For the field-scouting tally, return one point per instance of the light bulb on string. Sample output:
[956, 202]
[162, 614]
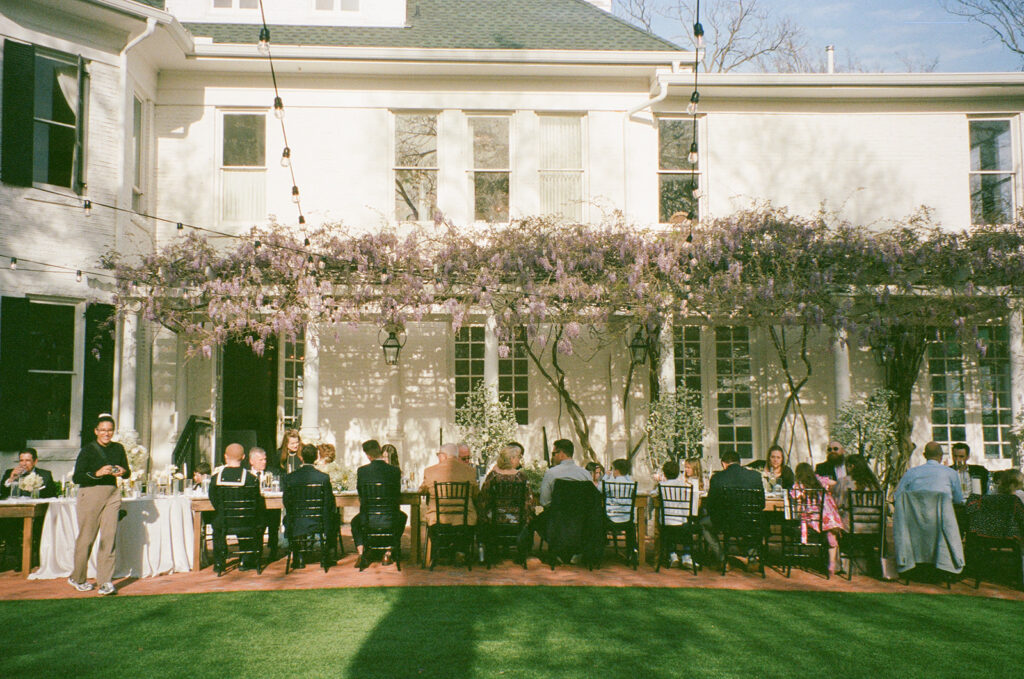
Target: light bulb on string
[302, 220]
[286, 157]
[305, 241]
[295, 194]
[87, 206]
[78, 276]
[180, 226]
[692, 156]
[698, 35]
[256, 245]
[691, 108]
[14, 263]
[278, 108]
[264, 44]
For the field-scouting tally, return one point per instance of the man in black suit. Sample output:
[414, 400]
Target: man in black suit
[961, 452]
[26, 467]
[834, 466]
[297, 525]
[377, 471]
[233, 475]
[733, 475]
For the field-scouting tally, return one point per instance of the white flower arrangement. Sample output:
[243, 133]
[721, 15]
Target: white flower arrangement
[486, 423]
[30, 482]
[138, 456]
[340, 476]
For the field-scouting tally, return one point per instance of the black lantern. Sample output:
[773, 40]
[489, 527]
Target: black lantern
[392, 346]
[638, 347]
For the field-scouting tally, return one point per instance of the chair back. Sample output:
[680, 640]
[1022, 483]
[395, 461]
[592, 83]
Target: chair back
[865, 508]
[506, 503]
[378, 507]
[619, 500]
[996, 516]
[743, 514]
[806, 505]
[576, 522]
[675, 506]
[308, 503]
[451, 502]
[239, 508]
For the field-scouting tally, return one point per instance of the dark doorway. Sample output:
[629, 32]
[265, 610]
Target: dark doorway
[249, 406]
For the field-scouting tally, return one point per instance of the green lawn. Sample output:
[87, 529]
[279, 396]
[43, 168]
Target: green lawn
[534, 632]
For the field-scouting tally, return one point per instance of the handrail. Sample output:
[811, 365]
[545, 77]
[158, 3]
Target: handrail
[186, 450]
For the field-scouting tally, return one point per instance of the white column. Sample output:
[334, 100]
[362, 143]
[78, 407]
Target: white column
[1016, 364]
[310, 429]
[617, 422]
[128, 359]
[667, 362]
[491, 353]
[841, 368]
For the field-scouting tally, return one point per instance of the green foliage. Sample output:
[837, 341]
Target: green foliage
[486, 423]
[867, 428]
[675, 427]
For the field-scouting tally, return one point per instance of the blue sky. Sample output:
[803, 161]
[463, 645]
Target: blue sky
[875, 33]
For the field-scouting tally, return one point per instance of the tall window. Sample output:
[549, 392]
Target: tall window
[994, 389]
[415, 166]
[44, 95]
[469, 362]
[993, 193]
[561, 166]
[243, 167]
[490, 175]
[138, 155]
[293, 353]
[947, 383]
[734, 411]
[514, 382]
[688, 366]
[678, 178]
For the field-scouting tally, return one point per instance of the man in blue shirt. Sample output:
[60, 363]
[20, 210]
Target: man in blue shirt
[932, 475]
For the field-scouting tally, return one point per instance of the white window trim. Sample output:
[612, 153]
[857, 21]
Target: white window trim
[701, 172]
[221, 112]
[393, 167]
[584, 158]
[77, 378]
[471, 170]
[1017, 152]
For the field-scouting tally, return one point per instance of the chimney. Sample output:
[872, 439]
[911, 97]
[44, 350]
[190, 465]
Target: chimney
[830, 58]
[606, 5]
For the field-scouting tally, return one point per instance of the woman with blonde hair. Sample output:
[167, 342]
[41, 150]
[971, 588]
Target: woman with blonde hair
[291, 444]
[325, 455]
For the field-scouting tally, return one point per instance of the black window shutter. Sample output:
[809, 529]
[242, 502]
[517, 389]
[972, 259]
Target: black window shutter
[98, 381]
[78, 165]
[13, 372]
[16, 129]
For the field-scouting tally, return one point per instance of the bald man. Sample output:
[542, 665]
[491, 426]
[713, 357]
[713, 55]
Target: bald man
[233, 475]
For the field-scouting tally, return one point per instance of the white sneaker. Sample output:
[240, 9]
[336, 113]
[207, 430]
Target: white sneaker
[686, 561]
[673, 559]
[80, 586]
[576, 558]
[106, 588]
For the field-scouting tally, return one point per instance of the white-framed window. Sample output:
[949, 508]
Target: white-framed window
[415, 166]
[290, 377]
[734, 409]
[679, 180]
[53, 354]
[513, 371]
[139, 153]
[561, 166]
[993, 173]
[243, 171]
[44, 108]
[236, 4]
[689, 367]
[514, 381]
[342, 5]
[490, 167]
[469, 362]
[969, 390]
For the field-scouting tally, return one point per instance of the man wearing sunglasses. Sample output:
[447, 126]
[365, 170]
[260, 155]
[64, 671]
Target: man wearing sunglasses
[834, 466]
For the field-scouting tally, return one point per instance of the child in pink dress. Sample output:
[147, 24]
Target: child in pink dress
[831, 522]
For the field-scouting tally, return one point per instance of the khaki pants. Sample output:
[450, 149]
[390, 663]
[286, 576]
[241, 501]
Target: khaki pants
[97, 512]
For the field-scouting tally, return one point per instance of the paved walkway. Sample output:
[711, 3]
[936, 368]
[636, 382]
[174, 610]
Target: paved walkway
[613, 573]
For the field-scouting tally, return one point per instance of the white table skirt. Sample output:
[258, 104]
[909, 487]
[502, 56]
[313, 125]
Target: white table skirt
[153, 539]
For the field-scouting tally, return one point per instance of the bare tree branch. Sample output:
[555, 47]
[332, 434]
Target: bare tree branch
[1005, 18]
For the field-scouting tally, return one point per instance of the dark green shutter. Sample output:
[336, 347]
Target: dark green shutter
[78, 164]
[18, 101]
[98, 381]
[13, 372]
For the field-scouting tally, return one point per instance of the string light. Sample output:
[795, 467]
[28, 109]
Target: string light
[14, 263]
[78, 276]
[295, 194]
[302, 221]
[180, 226]
[87, 206]
[278, 108]
[263, 46]
[691, 109]
[692, 157]
[306, 241]
[286, 157]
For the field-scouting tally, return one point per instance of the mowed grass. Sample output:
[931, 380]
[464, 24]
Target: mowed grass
[534, 632]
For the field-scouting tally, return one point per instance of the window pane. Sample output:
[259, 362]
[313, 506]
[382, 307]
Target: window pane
[245, 140]
[248, 4]
[990, 145]
[222, 4]
[53, 154]
[51, 337]
[415, 194]
[490, 143]
[675, 194]
[561, 193]
[137, 142]
[48, 406]
[350, 5]
[324, 4]
[490, 191]
[561, 143]
[415, 140]
[991, 198]
[674, 139]
[56, 94]
[244, 196]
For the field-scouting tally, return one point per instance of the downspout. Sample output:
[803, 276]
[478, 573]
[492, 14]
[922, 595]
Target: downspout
[119, 346]
[630, 112]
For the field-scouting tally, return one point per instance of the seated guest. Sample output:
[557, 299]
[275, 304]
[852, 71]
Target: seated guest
[776, 471]
[834, 466]
[232, 474]
[830, 523]
[960, 453]
[693, 472]
[932, 475]
[325, 455]
[618, 509]
[675, 519]
[733, 475]
[291, 444]
[390, 454]
[452, 469]
[564, 468]
[596, 472]
[506, 470]
[200, 474]
[1011, 482]
[297, 525]
[377, 471]
[26, 467]
[858, 477]
[259, 466]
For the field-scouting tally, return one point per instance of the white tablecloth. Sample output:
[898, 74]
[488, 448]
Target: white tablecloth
[153, 539]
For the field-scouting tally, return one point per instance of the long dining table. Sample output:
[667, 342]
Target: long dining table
[346, 498]
[28, 511]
